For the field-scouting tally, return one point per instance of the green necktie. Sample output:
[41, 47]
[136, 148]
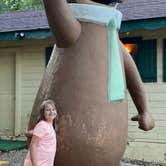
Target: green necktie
[115, 77]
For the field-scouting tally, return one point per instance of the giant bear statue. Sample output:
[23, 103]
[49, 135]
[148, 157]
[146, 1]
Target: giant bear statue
[88, 75]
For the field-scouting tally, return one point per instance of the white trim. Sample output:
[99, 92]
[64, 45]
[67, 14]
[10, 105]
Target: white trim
[17, 130]
[95, 14]
[159, 60]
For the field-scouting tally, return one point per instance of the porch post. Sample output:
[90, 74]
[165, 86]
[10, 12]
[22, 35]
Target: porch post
[159, 60]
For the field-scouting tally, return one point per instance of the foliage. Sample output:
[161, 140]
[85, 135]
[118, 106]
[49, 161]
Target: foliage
[14, 5]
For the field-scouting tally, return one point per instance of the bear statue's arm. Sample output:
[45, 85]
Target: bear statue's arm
[133, 81]
[136, 90]
[64, 26]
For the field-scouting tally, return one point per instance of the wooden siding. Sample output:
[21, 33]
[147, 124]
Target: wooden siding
[33, 66]
[146, 151]
[150, 146]
[145, 143]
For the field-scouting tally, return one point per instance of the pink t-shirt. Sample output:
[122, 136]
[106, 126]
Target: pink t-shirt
[46, 148]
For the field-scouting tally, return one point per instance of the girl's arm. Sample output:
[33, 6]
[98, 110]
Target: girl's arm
[29, 133]
[66, 29]
[33, 149]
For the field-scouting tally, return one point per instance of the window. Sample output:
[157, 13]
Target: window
[144, 54]
[132, 49]
[48, 52]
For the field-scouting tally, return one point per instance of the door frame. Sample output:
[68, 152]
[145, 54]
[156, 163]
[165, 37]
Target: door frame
[17, 88]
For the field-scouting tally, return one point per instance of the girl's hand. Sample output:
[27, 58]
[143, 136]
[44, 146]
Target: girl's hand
[29, 133]
[145, 121]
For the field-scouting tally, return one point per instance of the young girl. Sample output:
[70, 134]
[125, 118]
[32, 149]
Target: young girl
[43, 144]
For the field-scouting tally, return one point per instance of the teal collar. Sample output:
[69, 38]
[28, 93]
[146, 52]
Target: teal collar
[96, 14]
[112, 19]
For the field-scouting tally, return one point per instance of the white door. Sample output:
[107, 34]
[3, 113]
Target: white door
[7, 94]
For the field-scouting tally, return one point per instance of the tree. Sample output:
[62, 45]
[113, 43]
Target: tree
[15, 5]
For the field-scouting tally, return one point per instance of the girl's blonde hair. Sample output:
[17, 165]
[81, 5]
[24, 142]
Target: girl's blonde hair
[42, 108]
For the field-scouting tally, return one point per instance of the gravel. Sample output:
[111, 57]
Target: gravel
[143, 163]
[16, 158]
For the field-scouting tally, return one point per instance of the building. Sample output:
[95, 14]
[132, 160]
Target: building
[25, 47]
[144, 32]
[24, 38]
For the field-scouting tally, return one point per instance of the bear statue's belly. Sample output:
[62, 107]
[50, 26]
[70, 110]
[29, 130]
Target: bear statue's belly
[92, 131]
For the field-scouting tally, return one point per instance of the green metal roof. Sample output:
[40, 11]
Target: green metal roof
[30, 34]
[149, 24]
[127, 26]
